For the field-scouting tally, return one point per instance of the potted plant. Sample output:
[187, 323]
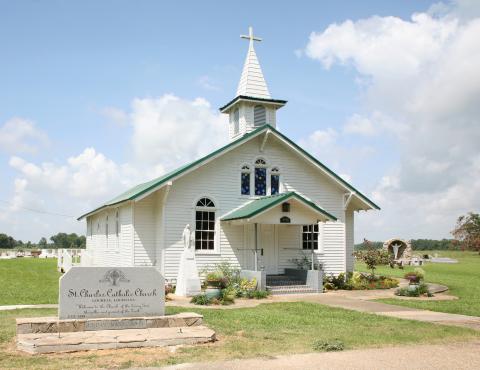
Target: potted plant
[412, 277]
[215, 281]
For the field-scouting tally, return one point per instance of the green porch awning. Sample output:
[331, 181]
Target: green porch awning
[263, 204]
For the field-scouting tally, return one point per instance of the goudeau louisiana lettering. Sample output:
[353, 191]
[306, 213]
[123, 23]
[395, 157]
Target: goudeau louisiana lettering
[85, 293]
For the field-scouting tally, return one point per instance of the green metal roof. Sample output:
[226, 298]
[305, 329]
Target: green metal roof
[141, 189]
[259, 205]
[253, 99]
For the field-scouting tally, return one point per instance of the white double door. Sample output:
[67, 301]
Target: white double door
[268, 241]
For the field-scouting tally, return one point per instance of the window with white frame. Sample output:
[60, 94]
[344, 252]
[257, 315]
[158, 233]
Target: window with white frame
[245, 180]
[236, 121]
[260, 177]
[205, 224]
[274, 181]
[310, 236]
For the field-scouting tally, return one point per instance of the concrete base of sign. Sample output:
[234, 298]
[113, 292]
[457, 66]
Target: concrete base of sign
[112, 339]
[49, 334]
[32, 325]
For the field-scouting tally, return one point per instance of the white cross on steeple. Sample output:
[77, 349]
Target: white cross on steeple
[252, 82]
[250, 36]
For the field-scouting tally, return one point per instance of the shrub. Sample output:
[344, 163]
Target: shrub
[201, 299]
[328, 346]
[258, 294]
[227, 295]
[414, 291]
[373, 258]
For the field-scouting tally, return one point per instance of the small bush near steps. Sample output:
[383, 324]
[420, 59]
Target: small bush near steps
[328, 345]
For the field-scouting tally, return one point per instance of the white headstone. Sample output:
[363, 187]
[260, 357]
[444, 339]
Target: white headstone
[188, 280]
[102, 292]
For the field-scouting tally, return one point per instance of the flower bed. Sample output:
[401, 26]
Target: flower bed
[359, 281]
[226, 280]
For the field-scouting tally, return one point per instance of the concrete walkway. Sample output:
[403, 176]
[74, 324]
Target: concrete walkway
[358, 304]
[22, 306]
[418, 357]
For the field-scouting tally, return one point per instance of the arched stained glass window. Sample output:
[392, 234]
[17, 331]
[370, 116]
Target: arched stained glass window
[260, 177]
[274, 181]
[205, 224]
[245, 180]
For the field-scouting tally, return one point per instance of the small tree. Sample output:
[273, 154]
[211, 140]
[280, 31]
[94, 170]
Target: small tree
[373, 257]
[467, 231]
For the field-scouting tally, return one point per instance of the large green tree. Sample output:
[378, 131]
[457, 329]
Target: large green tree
[63, 240]
[467, 231]
[7, 242]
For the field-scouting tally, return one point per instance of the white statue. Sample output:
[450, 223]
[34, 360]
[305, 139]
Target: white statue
[188, 280]
[187, 237]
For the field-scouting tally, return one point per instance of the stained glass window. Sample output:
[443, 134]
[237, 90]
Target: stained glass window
[310, 236]
[275, 181]
[260, 181]
[245, 183]
[205, 225]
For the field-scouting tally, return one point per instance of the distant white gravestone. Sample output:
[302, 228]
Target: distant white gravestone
[102, 292]
[188, 281]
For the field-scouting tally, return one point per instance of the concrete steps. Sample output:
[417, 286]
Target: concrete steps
[49, 334]
[290, 289]
[111, 339]
[284, 284]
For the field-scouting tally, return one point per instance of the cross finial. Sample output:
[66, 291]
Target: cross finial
[250, 36]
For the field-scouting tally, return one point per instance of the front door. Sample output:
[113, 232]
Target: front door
[268, 243]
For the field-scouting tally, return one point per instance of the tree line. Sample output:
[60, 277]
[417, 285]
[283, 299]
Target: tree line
[466, 236]
[417, 244]
[60, 240]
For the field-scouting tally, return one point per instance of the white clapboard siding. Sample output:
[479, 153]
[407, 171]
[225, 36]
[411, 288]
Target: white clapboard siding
[112, 250]
[219, 180]
[145, 234]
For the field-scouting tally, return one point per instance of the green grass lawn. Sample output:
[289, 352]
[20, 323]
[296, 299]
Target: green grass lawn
[266, 330]
[462, 279]
[28, 281]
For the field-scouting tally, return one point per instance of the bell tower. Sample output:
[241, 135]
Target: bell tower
[253, 106]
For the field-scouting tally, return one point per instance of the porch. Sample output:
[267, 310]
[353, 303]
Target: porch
[281, 242]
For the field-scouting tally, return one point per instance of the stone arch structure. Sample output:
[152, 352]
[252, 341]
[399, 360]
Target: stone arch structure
[403, 248]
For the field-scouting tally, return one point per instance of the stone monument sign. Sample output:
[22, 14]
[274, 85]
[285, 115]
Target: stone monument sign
[109, 292]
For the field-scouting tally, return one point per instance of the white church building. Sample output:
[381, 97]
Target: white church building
[260, 202]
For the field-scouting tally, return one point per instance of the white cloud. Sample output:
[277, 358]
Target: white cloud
[167, 132]
[19, 135]
[170, 131]
[422, 74]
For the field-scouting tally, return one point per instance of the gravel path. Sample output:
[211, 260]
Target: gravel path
[421, 357]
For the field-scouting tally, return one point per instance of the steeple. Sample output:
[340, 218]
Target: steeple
[253, 106]
[252, 83]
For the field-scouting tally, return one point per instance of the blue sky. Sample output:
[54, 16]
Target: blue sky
[65, 64]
